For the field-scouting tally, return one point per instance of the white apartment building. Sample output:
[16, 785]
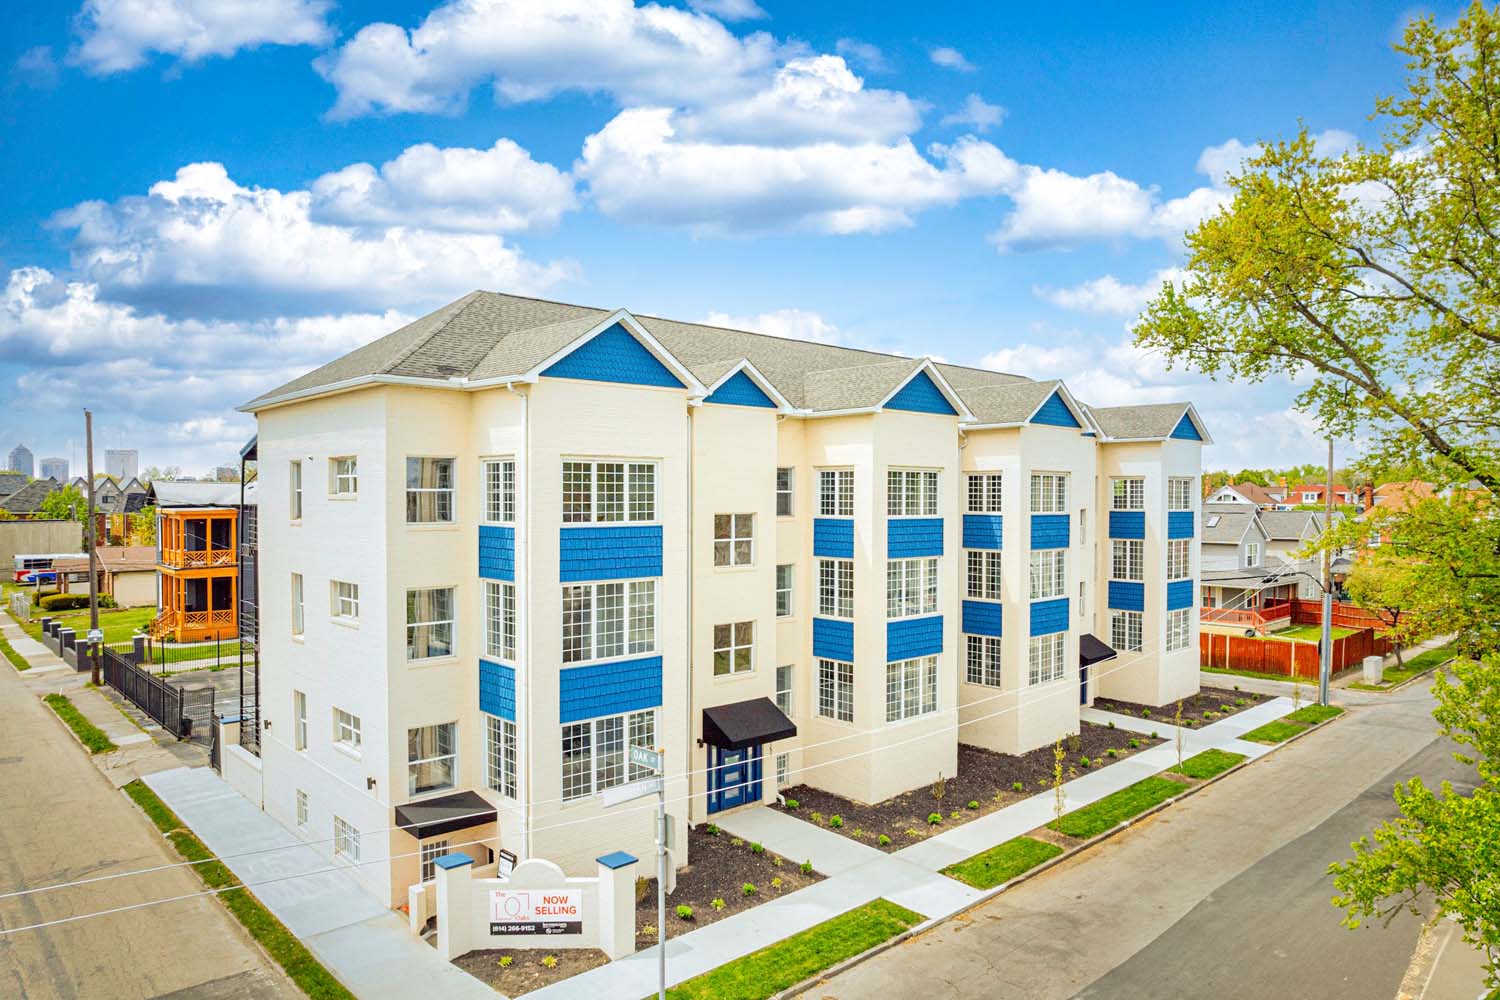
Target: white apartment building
[504, 543]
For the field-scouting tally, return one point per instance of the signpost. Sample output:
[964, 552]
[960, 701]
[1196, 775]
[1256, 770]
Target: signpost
[650, 759]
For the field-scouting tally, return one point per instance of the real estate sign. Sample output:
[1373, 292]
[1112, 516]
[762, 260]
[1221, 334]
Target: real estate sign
[536, 911]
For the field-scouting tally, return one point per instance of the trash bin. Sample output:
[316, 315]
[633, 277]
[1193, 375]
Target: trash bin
[1374, 669]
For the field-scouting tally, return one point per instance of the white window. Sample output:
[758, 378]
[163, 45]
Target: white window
[836, 690]
[500, 620]
[1127, 494]
[1179, 558]
[836, 588]
[784, 590]
[346, 729]
[911, 493]
[1083, 525]
[783, 770]
[836, 492]
[911, 688]
[299, 609]
[301, 809]
[1252, 554]
[984, 493]
[1179, 494]
[593, 752]
[500, 490]
[343, 476]
[784, 699]
[345, 600]
[983, 665]
[608, 492]
[1179, 629]
[431, 758]
[1127, 559]
[500, 755]
[911, 587]
[1049, 574]
[299, 720]
[983, 575]
[345, 839]
[1309, 498]
[431, 851]
[429, 623]
[1049, 493]
[784, 489]
[429, 490]
[734, 648]
[296, 494]
[1046, 656]
[601, 620]
[734, 539]
[1125, 631]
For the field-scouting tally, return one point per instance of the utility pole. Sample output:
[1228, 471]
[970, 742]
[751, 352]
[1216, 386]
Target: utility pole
[88, 539]
[1325, 647]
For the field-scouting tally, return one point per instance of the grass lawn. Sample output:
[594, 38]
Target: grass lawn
[787, 963]
[1116, 808]
[1209, 763]
[1309, 633]
[305, 970]
[1002, 863]
[1285, 728]
[118, 625]
[1258, 675]
[1312, 715]
[16, 659]
[1419, 664]
[90, 735]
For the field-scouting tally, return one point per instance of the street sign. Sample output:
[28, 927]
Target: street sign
[621, 794]
[645, 757]
[671, 827]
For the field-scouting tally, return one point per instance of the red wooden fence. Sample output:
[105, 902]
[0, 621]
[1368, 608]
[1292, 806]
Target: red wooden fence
[1344, 615]
[1275, 656]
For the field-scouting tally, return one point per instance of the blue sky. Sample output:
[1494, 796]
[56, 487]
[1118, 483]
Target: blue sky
[200, 199]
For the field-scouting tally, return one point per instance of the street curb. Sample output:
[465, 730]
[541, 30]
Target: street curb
[1409, 681]
[989, 894]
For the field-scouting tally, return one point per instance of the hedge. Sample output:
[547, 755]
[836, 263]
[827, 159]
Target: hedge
[64, 602]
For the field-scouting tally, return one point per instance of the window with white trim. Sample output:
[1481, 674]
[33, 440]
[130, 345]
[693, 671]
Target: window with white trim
[431, 758]
[1179, 558]
[296, 490]
[1179, 493]
[836, 690]
[1127, 559]
[302, 809]
[1252, 554]
[608, 492]
[911, 587]
[1179, 629]
[1046, 658]
[983, 490]
[983, 663]
[431, 851]
[784, 575]
[429, 491]
[1049, 574]
[299, 606]
[836, 588]
[1127, 494]
[500, 620]
[500, 755]
[734, 648]
[1049, 493]
[911, 688]
[593, 752]
[499, 490]
[784, 690]
[785, 478]
[783, 770]
[429, 623]
[346, 729]
[911, 493]
[345, 602]
[343, 476]
[299, 720]
[1125, 631]
[983, 574]
[835, 492]
[734, 539]
[601, 620]
[345, 839]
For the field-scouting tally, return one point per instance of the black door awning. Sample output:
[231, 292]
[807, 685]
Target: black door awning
[1092, 651]
[444, 814]
[746, 723]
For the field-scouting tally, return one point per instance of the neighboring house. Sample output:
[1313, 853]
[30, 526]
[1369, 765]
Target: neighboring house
[1401, 495]
[10, 482]
[503, 543]
[27, 501]
[1252, 494]
[126, 573]
[1239, 583]
[1314, 493]
[1288, 533]
[197, 560]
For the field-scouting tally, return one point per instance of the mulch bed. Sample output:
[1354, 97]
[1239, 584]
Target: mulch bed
[719, 865]
[985, 778]
[1207, 700]
[526, 971]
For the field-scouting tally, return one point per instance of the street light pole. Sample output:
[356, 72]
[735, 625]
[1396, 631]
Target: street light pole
[88, 538]
[1325, 647]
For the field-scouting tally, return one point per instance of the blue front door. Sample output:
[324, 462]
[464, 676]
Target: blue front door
[735, 778]
[1083, 685]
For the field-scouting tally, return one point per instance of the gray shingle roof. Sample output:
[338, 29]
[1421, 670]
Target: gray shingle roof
[1230, 527]
[1152, 420]
[1288, 525]
[28, 499]
[10, 482]
[1008, 403]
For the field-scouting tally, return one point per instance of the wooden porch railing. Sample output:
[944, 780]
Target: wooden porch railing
[197, 558]
[1256, 618]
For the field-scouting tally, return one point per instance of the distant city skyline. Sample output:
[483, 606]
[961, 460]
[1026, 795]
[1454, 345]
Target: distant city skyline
[122, 463]
[53, 468]
[22, 460]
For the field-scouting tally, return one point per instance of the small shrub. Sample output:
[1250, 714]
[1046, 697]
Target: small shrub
[1134, 744]
[776, 882]
[649, 930]
[1112, 752]
[806, 867]
[913, 834]
[105, 601]
[717, 904]
[1075, 742]
[1085, 763]
[506, 961]
[1191, 722]
[776, 860]
[836, 821]
[642, 890]
[884, 840]
[954, 814]
[749, 889]
[64, 602]
[792, 803]
[737, 842]
[551, 960]
[816, 817]
[1145, 713]
[1018, 786]
[933, 819]
[757, 849]
[1153, 735]
[684, 912]
[1111, 723]
[1210, 715]
[711, 829]
[973, 803]
[1239, 702]
[940, 788]
[858, 833]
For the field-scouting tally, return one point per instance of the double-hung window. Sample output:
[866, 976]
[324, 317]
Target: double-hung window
[983, 574]
[608, 492]
[1252, 554]
[1049, 493]
[500, 490]
[836, 690]
[983, 664]
[345, 839]
[429, 491]
[1179, 494]
[1125, 631]
[346, 729]
[302, 809]
[836, 588]
[1127, 559]
[784, 491]
[1046, 658]
[299, 607]
[784, 700]
[429, 623]
[836, 492]
[1179, 629]
[602, 620]
[343, 476]
[593, 752]
[500, 755]
[431, 758]
[345, 600]
[1127, 494]
[911, 688]
[1179, 556]
[911, 587]
[984, 493]
[500, 620]
[295, 498]
[734, 648]
[784, 574]
[734, 539]
[299, 720]
[911, 493]
[1049, 574]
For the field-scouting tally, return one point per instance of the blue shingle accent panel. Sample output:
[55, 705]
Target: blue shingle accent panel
[910, 537]
[497, 552]
[1049, 616]
[1056, 413]
[497, 689]
[909, 637]
[740, 390]
[1127, 595]
[982, 531]
[609, 688]
[833, 639]
[1049, 531]
[614, 356]
[833, 537]
[1127, 524]
[982, 617]
[1180, 594]
[1185, 431]
[921, 395]
[1179, 524]
[609, 552]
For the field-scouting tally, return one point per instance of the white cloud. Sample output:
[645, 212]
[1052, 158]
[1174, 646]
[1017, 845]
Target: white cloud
[793, 324]
[117, 35]
[864, 53]
[1109, 296]
[977, 113]
[729, 10]
[950, 58]
[500, 189]
[1054, 209]
[37, 68]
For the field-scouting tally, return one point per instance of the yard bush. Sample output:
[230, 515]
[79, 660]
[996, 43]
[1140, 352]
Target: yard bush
[64, 602]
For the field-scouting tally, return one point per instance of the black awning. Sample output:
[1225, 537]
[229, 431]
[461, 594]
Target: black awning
[1092, 651]
[444, 814]
[745, 723]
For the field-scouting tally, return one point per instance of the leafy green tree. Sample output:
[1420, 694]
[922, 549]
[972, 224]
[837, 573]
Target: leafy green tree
[1382, 582]
[66, 504]
[141, 527]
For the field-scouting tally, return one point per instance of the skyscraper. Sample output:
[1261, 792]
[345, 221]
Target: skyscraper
[122, 463]
[54, 468]
[22, 460]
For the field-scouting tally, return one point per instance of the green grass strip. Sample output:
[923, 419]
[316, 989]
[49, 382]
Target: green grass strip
[281, 944]
[90, 735]
[1314, 714]
[786, 963]
[1274, 732]
[1208, 764]
[1116, 808]
[1003, 862]
[16, 659]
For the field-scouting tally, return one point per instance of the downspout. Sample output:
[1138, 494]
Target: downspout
[688, 673]
[523, 609]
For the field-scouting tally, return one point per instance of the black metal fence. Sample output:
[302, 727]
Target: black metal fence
[207, 654]
[186, 713]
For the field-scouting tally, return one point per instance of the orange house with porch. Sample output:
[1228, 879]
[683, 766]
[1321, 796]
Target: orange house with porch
[197, 572]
